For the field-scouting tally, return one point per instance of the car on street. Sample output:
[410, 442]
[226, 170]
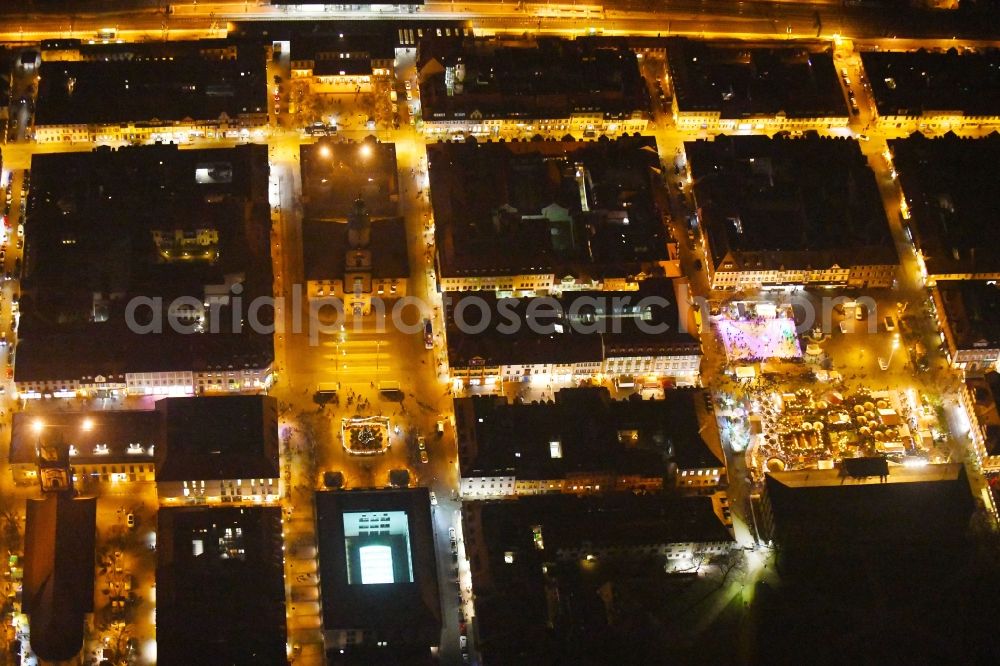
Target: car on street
[434, 499]
[452, 534]
[423, 457]
[883, 363]
[421, 443]
[864, 137]
[428, 334]
[130, 520]
[890, 323]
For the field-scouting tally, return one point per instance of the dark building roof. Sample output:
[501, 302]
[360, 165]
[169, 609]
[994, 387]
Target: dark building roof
[60, 43]
[951, 189]
[910, 83]
[576, 209]
[742, 80]
[223, 437]
[789, 204]
[824, 510]
[578, 326]
[77, 283]
[360, 44]
[986, 393]
[147, 81]
[593, 433]
[405, 614]
[129, 435]
[220, 594]
[58, 590]
[335, 175]
[971, 316]
[372, 34]
[469, 78]
[325, 247]
[526, 612]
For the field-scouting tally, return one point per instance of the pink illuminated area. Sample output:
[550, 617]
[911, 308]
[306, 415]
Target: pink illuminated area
[759, 338]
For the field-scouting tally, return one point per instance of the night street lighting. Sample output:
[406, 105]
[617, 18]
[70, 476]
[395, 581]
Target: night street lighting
[38, 425]
[365, 150]
[895, 346]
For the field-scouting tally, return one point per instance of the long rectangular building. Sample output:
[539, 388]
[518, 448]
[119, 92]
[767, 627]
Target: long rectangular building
[220, 592]
[969, 316]
[381, 601]
[638, 337]
[738, 86]
[147, 91]
[543, 217]
[950, 203]
[140, 267]
[345, 61]
[584, 443]
[494, 86]
[790, 212]
[541, 567]
[205, 450]
[814, 513]
[934, 91]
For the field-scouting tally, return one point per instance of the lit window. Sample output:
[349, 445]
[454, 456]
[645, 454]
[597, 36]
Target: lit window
[555, 449]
